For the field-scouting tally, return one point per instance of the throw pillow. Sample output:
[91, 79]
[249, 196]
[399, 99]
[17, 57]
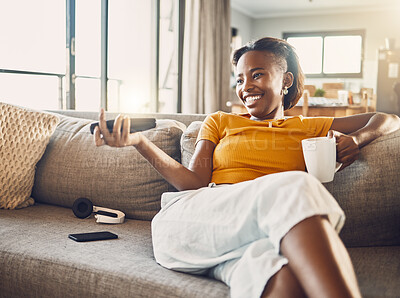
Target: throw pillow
[24, 135]
[188, 142]
[117, 178]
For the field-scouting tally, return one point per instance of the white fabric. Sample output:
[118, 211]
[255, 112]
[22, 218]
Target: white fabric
[233, 232]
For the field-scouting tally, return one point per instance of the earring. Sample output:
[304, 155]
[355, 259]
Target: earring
[285, 90]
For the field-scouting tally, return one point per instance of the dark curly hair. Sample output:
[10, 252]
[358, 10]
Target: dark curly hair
[286, 57]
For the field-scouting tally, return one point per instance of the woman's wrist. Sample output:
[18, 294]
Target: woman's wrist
[140, 141]
[361, 138]
[357, 140]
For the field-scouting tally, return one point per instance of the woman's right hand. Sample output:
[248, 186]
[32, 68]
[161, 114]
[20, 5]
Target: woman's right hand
[198, 174]
[102, 136]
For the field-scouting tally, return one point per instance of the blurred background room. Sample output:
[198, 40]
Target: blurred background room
[173, 56]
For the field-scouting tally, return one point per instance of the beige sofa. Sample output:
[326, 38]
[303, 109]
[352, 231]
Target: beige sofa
[38, 260]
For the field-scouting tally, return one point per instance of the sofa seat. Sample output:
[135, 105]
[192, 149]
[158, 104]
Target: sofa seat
[37, 259]
[377, 269]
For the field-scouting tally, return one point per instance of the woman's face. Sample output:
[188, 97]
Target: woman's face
[259, 83]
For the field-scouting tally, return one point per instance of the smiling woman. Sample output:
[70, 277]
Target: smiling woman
[255, 82]
[246, 213]
[285, 68]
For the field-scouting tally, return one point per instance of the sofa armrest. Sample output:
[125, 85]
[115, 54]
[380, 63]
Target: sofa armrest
[369, 193]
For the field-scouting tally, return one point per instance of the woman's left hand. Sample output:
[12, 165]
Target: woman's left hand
[347, 150]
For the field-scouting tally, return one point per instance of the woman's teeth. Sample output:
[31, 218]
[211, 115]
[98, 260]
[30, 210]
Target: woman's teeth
[251, 99]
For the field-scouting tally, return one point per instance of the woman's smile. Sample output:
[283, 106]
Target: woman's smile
[259, 84]
[250, 100]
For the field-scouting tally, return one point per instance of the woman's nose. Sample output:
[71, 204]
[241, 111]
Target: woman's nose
[247, 85]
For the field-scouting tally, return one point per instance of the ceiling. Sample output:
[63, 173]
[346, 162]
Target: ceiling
[277, 8]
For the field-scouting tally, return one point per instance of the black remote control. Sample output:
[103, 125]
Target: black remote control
[137, 124]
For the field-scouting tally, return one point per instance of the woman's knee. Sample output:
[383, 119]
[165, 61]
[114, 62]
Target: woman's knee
[283, 284]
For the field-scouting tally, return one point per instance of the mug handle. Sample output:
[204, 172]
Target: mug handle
[338, 164]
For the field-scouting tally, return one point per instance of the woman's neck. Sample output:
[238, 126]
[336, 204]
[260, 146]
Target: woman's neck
[272, 116]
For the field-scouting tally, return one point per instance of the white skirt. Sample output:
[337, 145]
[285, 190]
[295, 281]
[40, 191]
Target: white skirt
[232, 232]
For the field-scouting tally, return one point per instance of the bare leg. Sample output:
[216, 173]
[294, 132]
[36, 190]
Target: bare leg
[283, 284]
[319, 260]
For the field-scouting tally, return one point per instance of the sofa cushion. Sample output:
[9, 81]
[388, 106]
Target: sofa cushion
[377, 270]
[117, 178]
[369, 192]
[24, 135]
[188, 141]
[37, 259]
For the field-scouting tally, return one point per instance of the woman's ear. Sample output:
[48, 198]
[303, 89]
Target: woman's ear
[288, 79]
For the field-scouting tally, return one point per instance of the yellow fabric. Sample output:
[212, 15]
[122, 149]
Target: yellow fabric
[247, 149]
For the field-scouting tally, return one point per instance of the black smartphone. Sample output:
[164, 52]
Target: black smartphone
[137, 124]
[84, 237]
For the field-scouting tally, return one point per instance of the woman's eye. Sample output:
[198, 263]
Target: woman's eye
[256, 75]
[239, 81]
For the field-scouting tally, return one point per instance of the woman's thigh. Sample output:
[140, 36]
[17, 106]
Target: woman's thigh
[202, 228]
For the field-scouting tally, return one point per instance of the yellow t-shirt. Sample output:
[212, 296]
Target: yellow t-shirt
[247, 149]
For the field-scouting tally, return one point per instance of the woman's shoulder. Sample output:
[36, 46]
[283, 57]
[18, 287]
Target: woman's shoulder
[230, 114]
[317, 125]
[221, 115]
[306, 123]
[319, 119]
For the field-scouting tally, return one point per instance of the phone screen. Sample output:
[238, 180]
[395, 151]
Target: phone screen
[84, 237]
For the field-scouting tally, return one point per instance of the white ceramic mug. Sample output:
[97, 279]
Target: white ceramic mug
[320, 157]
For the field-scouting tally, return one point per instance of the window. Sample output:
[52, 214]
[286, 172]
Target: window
[130, 55]
[329, 54]
[32, 52]
[85, 54]
[168, 56]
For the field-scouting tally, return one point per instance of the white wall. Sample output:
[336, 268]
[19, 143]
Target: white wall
[243, 23]
[378, 26]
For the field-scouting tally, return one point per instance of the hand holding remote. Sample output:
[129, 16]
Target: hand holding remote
[137, 124]
[119, 136]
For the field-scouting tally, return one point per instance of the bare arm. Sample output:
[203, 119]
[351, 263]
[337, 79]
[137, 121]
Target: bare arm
[354, 132]
[198, 174]
[200, 169]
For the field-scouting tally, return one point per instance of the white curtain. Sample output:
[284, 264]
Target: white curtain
[206, 56]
